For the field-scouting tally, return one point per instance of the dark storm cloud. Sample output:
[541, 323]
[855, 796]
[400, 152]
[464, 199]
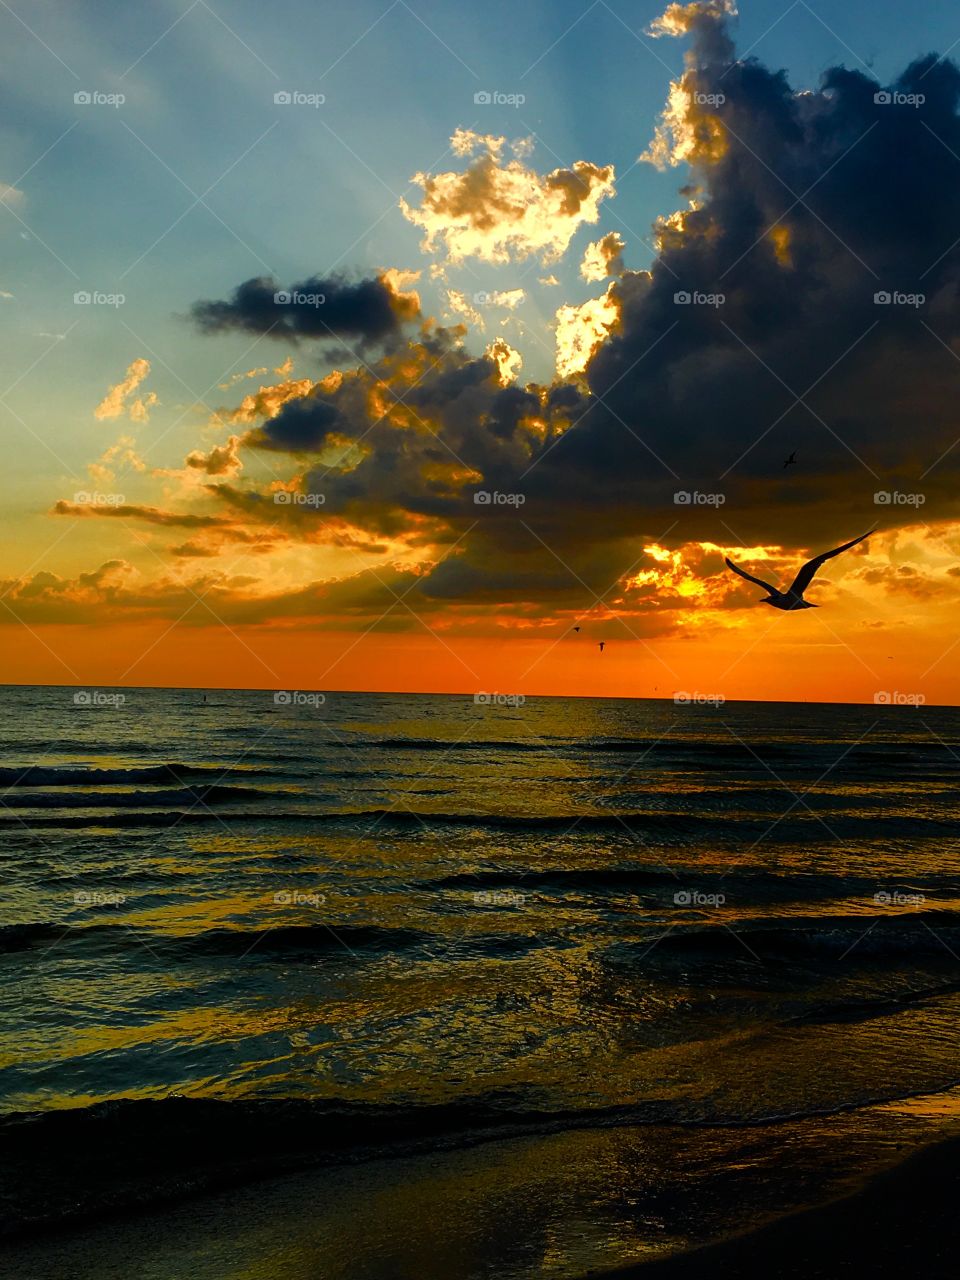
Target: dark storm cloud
[807, 206]
[366, 311]
[810, 205]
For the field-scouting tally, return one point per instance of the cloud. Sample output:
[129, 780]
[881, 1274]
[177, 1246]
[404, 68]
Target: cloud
[509, 361]
[129, 511]
[366, 311]
[678, 19]
[241, 377]
[603, 258]
[267, 401]
[221, 460]
[121, 397]
[116, 592]
[122, 453]
[501, 211]
[680, 390]
[459, 304]
[580, 331]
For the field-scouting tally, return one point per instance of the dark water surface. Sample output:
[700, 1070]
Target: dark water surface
[555, 987]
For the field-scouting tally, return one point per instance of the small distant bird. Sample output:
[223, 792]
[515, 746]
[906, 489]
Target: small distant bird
[792, 598]
[602, 643]
[791, 461]
[577, 629]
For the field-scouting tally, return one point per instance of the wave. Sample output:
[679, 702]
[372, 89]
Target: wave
[124, 1154]
[213, 793]
[265, 939]
[931, 931]
[81, 775]
[928, 932]
[723, 748]
[715, 826]
[745, 886]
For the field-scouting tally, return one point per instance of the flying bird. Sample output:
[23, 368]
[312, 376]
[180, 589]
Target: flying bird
[792, 598]
[791, 461]
[602, 643]
[577, 629]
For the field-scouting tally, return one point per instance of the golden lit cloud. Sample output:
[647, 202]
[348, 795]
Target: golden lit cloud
[678, 19]
[267, 401]
[119, 397]
[581, 330]
[501, 210]
[120, 454]
[222, 460]
[689, 128]
[509, 361]
[603, 258]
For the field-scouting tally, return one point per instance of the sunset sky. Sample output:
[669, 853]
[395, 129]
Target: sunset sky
[208, 485]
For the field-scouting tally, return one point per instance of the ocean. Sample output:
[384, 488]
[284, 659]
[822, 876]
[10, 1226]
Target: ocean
[384, 985]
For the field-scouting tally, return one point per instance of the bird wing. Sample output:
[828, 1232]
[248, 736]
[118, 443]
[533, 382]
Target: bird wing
[805, 576]
[750, 578]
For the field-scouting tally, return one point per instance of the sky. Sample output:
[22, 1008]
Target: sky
[287, 293]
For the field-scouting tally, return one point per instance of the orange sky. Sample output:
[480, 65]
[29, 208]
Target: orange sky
[769, 656]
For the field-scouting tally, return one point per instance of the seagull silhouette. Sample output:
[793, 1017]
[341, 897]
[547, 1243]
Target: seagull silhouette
[602, 643]
[577, 629]
[791, 461]
[792, 598]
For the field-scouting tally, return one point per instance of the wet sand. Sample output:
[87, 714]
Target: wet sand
[518, 1210]
[903, 1223]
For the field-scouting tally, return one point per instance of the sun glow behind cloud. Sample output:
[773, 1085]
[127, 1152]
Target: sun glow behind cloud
[317, 500]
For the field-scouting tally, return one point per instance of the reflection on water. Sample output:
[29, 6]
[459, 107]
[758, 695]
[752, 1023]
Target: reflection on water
[596, 930]
[557, 1205]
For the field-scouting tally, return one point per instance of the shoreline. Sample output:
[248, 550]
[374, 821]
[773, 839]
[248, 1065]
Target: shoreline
[894, 1221]
[901, 1222]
